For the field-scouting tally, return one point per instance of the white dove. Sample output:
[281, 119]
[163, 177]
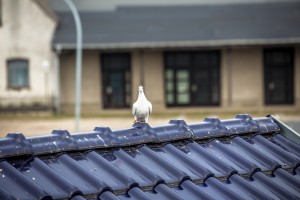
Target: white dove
[142, 108]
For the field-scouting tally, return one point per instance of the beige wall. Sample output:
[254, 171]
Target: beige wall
[135, 74]
[243, 65]
[91, 81]
[26, 33]
[247, 77]
[247, 80]
[154, 78]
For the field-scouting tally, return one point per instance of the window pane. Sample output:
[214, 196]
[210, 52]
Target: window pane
[178, 60]
[169, 74]
[116, 77]
[279, 75]
[182, 87]
[195, 75]
[18, 73]
[170, 98]
[278, 57]
[170, 86]
[183, 98]
[115, 61]
[182, 75]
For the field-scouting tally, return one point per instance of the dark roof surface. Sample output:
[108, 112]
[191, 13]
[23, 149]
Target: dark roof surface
[242, 158]
[175, 26]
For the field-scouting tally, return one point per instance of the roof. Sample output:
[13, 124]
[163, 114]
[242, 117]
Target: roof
[47, 9]
[241, 158]
[183, 26]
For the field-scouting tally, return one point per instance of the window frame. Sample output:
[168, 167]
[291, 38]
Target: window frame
[289, 68]
[192, 67]
[106, 70]
[8, 82]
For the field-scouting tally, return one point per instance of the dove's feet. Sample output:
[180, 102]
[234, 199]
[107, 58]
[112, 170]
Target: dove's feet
[142, 121]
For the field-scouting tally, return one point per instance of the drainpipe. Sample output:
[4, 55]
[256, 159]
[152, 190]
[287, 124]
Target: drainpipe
[57, 70]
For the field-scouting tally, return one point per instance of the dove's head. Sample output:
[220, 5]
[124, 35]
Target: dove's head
[140, 88]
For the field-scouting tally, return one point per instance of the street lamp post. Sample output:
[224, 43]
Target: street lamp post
[78, 62]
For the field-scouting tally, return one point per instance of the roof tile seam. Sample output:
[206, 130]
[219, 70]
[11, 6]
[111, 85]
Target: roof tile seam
[176, 184]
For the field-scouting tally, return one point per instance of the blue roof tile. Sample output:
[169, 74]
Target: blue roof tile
[18, 185]
[189, 190]
[50, 181]
[161, 191]
[242, 158]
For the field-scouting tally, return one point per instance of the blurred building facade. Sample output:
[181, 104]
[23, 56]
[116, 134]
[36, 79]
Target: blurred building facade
[218, 57]
[26, 67]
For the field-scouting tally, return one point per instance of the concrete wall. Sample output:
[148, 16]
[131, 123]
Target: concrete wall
[154, 79]
[92, 79]
[241, 80]
[247, 77]
[91, 97]
[26, 33]
[244, 88]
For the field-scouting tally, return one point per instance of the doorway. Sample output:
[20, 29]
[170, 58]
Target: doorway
[279, 76]
[116, 80]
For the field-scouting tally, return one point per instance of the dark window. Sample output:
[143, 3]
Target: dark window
[192, 78]
[279, 75]
[116, 80]
[18, 73]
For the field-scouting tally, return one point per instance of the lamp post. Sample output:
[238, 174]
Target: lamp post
[78, 62]
[45, 66]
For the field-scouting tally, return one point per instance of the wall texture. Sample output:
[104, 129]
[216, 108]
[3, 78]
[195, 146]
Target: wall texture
[26, 33]
[247, 77]
[241, 81]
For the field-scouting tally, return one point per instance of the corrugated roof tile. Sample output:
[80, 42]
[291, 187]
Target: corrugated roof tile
[273, 186]
[135, 170]
[247, 150]
[214, 164]
[286, 157]
[78, 175]
[192, 191]
[243, 158]
[18, 185]
[221, 189]
[50, 181]
[159, 165]
[286, 144]
[244, 188]
[161, 191]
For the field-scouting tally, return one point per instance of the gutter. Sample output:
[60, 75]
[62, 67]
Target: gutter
[286, 131]
[176, 44]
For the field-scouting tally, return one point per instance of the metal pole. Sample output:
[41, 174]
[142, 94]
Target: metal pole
[229, 76]
[78, 62]
[57, 68]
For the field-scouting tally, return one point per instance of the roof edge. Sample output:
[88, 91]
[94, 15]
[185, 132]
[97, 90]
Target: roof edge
[286, 130]
[174, 44]
[47, 9]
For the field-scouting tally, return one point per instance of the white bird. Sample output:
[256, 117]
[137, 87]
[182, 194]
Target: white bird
[142, 108]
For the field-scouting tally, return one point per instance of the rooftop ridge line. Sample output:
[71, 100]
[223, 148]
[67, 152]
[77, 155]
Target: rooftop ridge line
[15, 144]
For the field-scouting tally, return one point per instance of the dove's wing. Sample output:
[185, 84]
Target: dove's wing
[134, 108]
[150, 107]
